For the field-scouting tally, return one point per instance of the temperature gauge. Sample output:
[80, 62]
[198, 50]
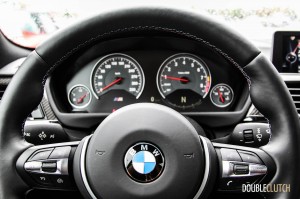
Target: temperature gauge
[221, 95]
[79, 96]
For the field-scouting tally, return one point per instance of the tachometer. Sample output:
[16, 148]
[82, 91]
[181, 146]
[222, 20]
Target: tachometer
[183, 80]
[117, 72]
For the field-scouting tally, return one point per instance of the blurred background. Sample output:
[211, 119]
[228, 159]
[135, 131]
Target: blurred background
[29, 22]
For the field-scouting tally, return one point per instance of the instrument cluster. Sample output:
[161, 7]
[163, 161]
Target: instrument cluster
[183, 81]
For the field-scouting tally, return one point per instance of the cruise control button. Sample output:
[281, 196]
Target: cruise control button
[237, 183]
[49, 166]
[61, 180]
[42, 179]
[230, 184]
[41, 155]
[60, 152]
[240, 169]
[230, 155]
[227, 184]
[250, 157]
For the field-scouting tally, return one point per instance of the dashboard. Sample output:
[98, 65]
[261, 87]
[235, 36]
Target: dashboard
[175, 72]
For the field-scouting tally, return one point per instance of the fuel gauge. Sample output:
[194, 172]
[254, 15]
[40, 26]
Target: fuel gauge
[221, 95]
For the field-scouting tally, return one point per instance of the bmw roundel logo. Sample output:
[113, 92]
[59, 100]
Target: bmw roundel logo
[144, 162]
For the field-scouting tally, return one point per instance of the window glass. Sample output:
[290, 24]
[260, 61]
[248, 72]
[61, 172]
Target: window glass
[29, 22]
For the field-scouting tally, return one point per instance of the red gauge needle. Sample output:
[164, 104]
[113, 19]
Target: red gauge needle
[221, 96]
[176, 78]
[80, 100]
[111, 84]
[298, 46]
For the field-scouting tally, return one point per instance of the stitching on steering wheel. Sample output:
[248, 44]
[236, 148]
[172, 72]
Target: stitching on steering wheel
[157, 28]
[170, 30]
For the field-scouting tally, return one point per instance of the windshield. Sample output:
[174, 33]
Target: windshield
[29, 22]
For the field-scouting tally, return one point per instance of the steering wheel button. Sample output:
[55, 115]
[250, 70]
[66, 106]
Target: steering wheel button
[42, 179]
[237, 183]
[49, 166]
[230, 184]
[239, 169]
[33, 166]
[41, 155]
[60, 180]
[230, 155]
[256, 169]
[60, 152]
[250, 157]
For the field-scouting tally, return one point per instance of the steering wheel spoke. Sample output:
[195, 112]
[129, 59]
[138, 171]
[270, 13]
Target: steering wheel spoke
[241, 166]
[48, 166]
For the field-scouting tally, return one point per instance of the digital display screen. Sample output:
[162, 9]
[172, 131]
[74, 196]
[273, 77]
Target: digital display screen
[291, 54]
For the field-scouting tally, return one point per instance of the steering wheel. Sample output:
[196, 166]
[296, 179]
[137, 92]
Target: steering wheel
[177, 162]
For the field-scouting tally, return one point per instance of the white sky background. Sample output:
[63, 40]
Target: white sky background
[252, 27]
[91, 5]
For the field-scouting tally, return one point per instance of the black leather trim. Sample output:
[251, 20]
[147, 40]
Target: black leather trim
[270, 96]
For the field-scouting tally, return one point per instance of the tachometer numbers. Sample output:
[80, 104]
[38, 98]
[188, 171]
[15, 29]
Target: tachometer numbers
[183, 80]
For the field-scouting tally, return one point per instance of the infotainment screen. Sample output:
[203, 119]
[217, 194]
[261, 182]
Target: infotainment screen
[286, 51]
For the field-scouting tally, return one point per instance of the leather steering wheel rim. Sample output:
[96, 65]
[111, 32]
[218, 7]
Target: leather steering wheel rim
[267, 90]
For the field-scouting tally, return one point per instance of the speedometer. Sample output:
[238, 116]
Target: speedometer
[183, 80]
[117, 73]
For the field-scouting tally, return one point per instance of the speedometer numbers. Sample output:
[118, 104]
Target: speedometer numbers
[117, 72]
[184, 80]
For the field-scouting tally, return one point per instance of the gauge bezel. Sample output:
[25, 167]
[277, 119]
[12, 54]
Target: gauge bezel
[217, 105]
[116, 55]
[169, 59]
[69, 92]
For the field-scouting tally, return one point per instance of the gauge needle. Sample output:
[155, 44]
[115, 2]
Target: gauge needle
[298, 46]
[111, 84]
[176, 78]
[221, 96]
[80, 100]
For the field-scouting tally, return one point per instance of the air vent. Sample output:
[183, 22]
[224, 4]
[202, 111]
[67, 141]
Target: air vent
[293, 83]
[294, 88]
